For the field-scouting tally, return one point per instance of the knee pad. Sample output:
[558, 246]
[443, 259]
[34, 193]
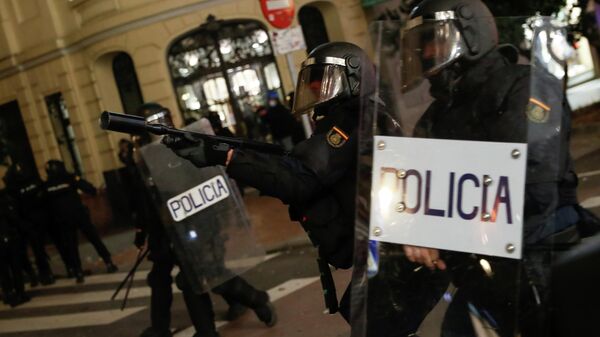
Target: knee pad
[182, 282]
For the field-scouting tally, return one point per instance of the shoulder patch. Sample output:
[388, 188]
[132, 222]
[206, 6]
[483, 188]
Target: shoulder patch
[537, 111]
[336, 137]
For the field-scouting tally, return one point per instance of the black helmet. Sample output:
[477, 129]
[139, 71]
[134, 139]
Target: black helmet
[15, 174]
[56, 168]
[333, 72]
[440, 33]
[155, 114]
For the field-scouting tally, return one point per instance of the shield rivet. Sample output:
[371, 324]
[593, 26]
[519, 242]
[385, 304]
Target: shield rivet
[515, 153]
[400, 207]
[401, 174]
[510, 248]
[486, 216]
[487, 180]
[377, 231]
[381, 145]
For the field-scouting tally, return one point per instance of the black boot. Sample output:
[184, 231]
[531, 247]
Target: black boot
[235, 311]
[111, 268]
[47, 279]
[238, 290]
[16, 299]
[266, 313]
[33, 280]
[79, 278]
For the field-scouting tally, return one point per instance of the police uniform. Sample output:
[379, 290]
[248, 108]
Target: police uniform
[28, 192]
[235, 291]
[318, 178]
[481, 94]
[493, 102]
[70, 214]
[11, 277]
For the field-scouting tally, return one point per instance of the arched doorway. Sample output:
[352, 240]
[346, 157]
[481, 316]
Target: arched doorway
[227, 67]
[127, 83]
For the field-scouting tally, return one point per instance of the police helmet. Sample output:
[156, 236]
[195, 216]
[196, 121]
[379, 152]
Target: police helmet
[332, 72]
[56, 168]
[440, 33]
[155, 113]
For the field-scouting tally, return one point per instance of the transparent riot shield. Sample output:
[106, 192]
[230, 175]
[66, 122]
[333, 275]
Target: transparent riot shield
[459, 211]
[204, 217]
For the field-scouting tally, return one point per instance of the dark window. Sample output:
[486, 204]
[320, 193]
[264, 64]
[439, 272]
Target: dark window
[127, 83]
[226, 67]
[14, 143]
[65, 136]
[313, 27]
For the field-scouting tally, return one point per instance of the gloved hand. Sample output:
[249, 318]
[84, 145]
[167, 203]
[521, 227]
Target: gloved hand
[140, 239]
[201, 153]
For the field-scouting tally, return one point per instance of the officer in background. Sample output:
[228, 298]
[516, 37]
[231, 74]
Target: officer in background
[236, 292]
[28, 191]
[481, 94]
[318, 179]
[11, 273]
[70, 214]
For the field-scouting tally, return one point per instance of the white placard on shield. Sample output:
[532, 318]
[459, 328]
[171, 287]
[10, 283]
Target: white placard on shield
[454, 195]
[198, 198]
[287, 40]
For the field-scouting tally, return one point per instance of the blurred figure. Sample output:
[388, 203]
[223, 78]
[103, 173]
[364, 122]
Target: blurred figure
[217, 125]
[280, 121]
[70, 214]
[27, 190]
[11, 276]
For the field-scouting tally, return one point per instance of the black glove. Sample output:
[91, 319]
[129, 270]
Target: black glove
[140, 239]
[200, 152]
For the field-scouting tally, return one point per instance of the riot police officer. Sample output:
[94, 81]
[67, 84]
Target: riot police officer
[69, 213]
[481, 94]
[11, 276]
[318, 178]
[236, 292]
[27, 189]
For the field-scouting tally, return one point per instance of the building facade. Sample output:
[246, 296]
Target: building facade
[62, 62]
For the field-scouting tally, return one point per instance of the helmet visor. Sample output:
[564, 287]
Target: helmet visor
[428, 48]
[319, 83]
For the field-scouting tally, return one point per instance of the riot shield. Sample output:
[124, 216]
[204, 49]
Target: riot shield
[462, 161]
[204, 217]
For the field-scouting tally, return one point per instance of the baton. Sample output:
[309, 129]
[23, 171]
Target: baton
[130, 275]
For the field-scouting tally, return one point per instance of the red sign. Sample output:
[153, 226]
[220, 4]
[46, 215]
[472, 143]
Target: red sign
[279, 13]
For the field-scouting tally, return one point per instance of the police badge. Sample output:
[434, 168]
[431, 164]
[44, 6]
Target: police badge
[336, 137]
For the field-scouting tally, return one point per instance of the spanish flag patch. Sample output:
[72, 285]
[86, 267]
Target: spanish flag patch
[537, 111]
[336, 137]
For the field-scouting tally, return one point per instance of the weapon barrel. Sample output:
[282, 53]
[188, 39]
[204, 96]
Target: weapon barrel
[122, 123]
[113, 121]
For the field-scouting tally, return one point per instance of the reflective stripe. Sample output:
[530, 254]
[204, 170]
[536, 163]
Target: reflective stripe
[326, 60]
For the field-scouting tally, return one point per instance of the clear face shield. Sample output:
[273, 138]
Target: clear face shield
[320, 82]
[428, 46]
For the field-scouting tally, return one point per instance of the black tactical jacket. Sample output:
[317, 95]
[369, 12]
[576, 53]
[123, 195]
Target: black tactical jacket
[317, 180]
[495, 101]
